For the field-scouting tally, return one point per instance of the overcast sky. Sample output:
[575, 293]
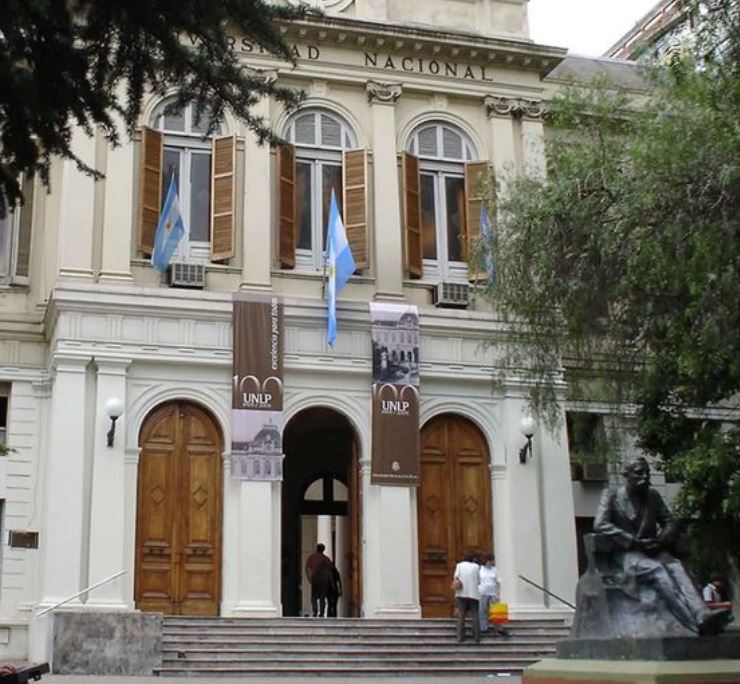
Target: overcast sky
[585, 27]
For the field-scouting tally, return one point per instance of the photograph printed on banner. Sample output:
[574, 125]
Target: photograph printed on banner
[257, 431]
[395, 337]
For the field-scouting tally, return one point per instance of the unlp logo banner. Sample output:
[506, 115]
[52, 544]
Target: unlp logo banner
[257, 388]
[394, 330]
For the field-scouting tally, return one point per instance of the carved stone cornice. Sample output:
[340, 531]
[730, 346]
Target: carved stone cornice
[516, 107]
[383, 93]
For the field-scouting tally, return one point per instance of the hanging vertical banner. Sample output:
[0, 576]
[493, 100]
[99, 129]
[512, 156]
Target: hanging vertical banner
[394, 330]
[257, 389]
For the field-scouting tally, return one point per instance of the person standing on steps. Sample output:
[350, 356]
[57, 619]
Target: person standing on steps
[318, 572]
[488, 588]
[335, 591]
[466, 581]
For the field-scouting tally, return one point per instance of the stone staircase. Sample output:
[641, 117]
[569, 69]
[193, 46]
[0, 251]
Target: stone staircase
[230, 647]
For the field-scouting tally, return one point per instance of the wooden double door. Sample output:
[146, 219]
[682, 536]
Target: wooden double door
[179, 512]
[454, 506]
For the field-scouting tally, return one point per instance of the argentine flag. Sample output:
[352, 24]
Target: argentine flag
[340, 264]
[489, 240]
[170, 229]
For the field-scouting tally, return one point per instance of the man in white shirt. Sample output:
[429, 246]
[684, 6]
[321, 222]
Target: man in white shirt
[467, 573]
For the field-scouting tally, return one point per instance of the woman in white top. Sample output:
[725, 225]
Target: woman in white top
[488, 588]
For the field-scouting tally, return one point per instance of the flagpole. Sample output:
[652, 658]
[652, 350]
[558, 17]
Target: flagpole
[323, 279]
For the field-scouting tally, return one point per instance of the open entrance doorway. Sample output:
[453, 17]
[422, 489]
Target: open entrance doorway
[321, 504]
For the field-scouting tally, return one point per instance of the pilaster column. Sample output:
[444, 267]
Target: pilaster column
[518, 135]
[62, 533]
[257, 214]
[120, 175]
[499, 110]
[560, 546]
[107, 516]
[388, 232]
[77, 212]
[533, 138]
[390, 578]
[259, 548]
[519, 541]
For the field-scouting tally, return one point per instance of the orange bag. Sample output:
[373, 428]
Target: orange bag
[498, 613]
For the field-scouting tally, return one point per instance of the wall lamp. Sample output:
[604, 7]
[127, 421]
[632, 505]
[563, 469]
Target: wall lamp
[526, 425]
[113, 409]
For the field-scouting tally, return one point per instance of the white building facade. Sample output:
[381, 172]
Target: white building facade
[403, 99]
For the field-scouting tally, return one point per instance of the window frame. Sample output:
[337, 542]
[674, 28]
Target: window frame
[188, 144]
[441, 168]
[15, 221]
[317, 156]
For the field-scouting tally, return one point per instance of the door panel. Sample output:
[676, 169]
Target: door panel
[178, 550]
[454, 506]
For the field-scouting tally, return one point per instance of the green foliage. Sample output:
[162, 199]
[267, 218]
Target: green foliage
[624, 262]
[89, 63]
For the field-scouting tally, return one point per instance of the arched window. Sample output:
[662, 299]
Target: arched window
[177, 142]
[440, 174]
[319, 158]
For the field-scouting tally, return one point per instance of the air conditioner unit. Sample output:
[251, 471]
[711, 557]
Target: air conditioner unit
[595, 472]
[183, 274]
[451, 295]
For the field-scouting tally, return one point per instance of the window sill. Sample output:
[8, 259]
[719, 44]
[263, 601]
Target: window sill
[315, 276]
[215, 268]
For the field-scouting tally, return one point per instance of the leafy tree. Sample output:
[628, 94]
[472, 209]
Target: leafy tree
[89, 63]
[623, 264]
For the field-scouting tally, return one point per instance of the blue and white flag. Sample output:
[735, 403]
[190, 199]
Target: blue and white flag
[170, 229]
[488, 240]
[340, 265]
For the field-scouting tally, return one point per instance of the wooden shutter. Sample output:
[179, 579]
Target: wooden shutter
[476, 177]
[223, 188]
[22, 256]
[150, 187]
[412, 215]
[354, 170]
[287, 236]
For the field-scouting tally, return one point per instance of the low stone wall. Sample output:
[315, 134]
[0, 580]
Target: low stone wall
[106, 643]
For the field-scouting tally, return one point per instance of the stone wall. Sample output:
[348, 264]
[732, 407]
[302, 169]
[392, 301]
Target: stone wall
[111, 643]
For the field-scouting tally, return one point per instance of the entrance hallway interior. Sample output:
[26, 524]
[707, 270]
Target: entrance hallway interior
[320, 504]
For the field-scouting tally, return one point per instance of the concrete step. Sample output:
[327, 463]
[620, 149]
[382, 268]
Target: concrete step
[226, 647]
[289, 670]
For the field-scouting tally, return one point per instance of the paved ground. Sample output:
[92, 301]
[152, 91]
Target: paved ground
[74, 679]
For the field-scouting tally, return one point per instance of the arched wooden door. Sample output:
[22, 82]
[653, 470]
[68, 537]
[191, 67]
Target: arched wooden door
[179, 512]
[454, 506]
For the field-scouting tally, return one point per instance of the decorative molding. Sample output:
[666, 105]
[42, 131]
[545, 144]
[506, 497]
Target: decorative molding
[383, 93]
[516, 107]
[266, 75]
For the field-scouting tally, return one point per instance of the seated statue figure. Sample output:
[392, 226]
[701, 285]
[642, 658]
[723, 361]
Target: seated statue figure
[644, 590]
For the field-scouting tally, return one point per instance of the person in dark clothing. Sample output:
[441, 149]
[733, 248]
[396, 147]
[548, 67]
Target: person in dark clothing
[318, 571]
[335, 591]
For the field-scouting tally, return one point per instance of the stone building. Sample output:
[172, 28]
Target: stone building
[407, 103]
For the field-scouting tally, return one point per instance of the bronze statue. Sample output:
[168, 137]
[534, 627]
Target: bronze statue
[635, 586]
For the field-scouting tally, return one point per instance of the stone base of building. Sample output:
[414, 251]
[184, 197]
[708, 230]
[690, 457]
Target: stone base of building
[106, 643]
[559, 671]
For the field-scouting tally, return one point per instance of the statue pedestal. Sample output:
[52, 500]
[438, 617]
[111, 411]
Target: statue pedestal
[554, 671]
[667, 660]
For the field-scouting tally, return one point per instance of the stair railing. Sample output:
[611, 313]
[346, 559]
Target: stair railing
[547, 591]
[79, 593]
